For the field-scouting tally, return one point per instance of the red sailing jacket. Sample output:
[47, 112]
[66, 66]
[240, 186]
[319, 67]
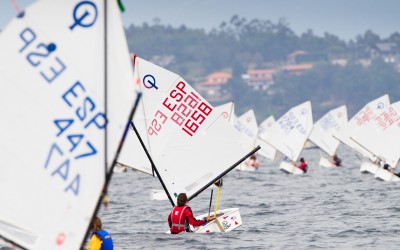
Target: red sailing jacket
[303, 166]
[179, 218]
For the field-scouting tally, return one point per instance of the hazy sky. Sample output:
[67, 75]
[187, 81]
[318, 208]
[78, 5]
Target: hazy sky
[344, 18]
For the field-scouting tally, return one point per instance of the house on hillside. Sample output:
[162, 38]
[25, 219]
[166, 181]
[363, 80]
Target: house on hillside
[212, 88]
[259, 79]
[389, 52]
[298, 69]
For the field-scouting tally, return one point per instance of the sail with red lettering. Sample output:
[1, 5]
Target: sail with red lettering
[369, 112]
[65, 103]
[328, 125]
[190, 144]
[378, 135]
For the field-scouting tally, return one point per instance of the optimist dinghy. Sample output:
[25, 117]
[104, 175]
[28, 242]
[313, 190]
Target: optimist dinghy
[323, 131]
[289, 134]
[189, 144]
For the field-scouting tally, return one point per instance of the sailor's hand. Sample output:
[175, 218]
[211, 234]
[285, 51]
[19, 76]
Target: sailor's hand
[208, 218]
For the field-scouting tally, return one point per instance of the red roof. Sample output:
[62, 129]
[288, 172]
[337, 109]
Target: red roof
[217, 78]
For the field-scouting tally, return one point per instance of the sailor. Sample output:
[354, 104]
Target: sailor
[336, 160]
[253, 162]
[303, 165]
[100, 239]
[181, 216]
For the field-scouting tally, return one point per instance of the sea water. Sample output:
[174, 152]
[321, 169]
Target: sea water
[337, 208]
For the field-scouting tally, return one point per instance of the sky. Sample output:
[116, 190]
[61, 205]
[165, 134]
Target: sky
[344, 18]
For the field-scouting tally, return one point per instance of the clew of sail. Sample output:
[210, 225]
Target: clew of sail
[64, 122]
[290, 132]
[190, 144]
[263, 132]
[369, 112]
[327, 126]
[377, 136]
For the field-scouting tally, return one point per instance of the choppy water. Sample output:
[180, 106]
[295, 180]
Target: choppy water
[327, 208]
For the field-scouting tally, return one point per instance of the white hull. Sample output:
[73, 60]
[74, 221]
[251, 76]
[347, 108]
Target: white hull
[244, 167]
[287, 167]
[368, 167]
[228, 220]
[120, 169]
[323, 162]
[385, 175]
[158, 195]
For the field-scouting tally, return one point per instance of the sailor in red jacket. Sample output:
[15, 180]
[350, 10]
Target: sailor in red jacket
[303, 165]
[181, 216]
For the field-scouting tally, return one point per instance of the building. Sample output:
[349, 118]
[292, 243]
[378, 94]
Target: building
[212, 88]
[259, 78]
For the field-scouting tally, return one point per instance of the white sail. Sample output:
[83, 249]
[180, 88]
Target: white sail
[290, 132]
[227, 111]
[190, 144]
[266, 150]
[378, 136]
[54, 151]
[362, 118]
[247, 125]
[328, 125]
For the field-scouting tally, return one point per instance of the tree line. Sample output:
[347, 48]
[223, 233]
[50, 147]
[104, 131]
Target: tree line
[239, 44]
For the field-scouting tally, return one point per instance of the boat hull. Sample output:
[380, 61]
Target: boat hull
[323, 162]
[368, 167]
[288, 168]
[385, 175]
[228, 220]
[244, 167]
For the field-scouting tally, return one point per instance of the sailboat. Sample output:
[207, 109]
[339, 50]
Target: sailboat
[65, 70]
[266, 150]
[289, 134]
[359, 120]
[190, 145]
[323, 131]
[227, 111]
[378, 138]
[247, 125]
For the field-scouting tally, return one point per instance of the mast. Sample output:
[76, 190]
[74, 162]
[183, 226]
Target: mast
[152, 164]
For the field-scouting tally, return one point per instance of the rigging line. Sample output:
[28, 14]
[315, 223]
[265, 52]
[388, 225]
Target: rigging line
[13, 243]
[16, 6]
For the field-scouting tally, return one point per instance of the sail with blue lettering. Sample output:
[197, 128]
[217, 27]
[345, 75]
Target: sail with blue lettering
[290, 132]
[327, 126]
[363, 117]
[191, 144]
[65, 103]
